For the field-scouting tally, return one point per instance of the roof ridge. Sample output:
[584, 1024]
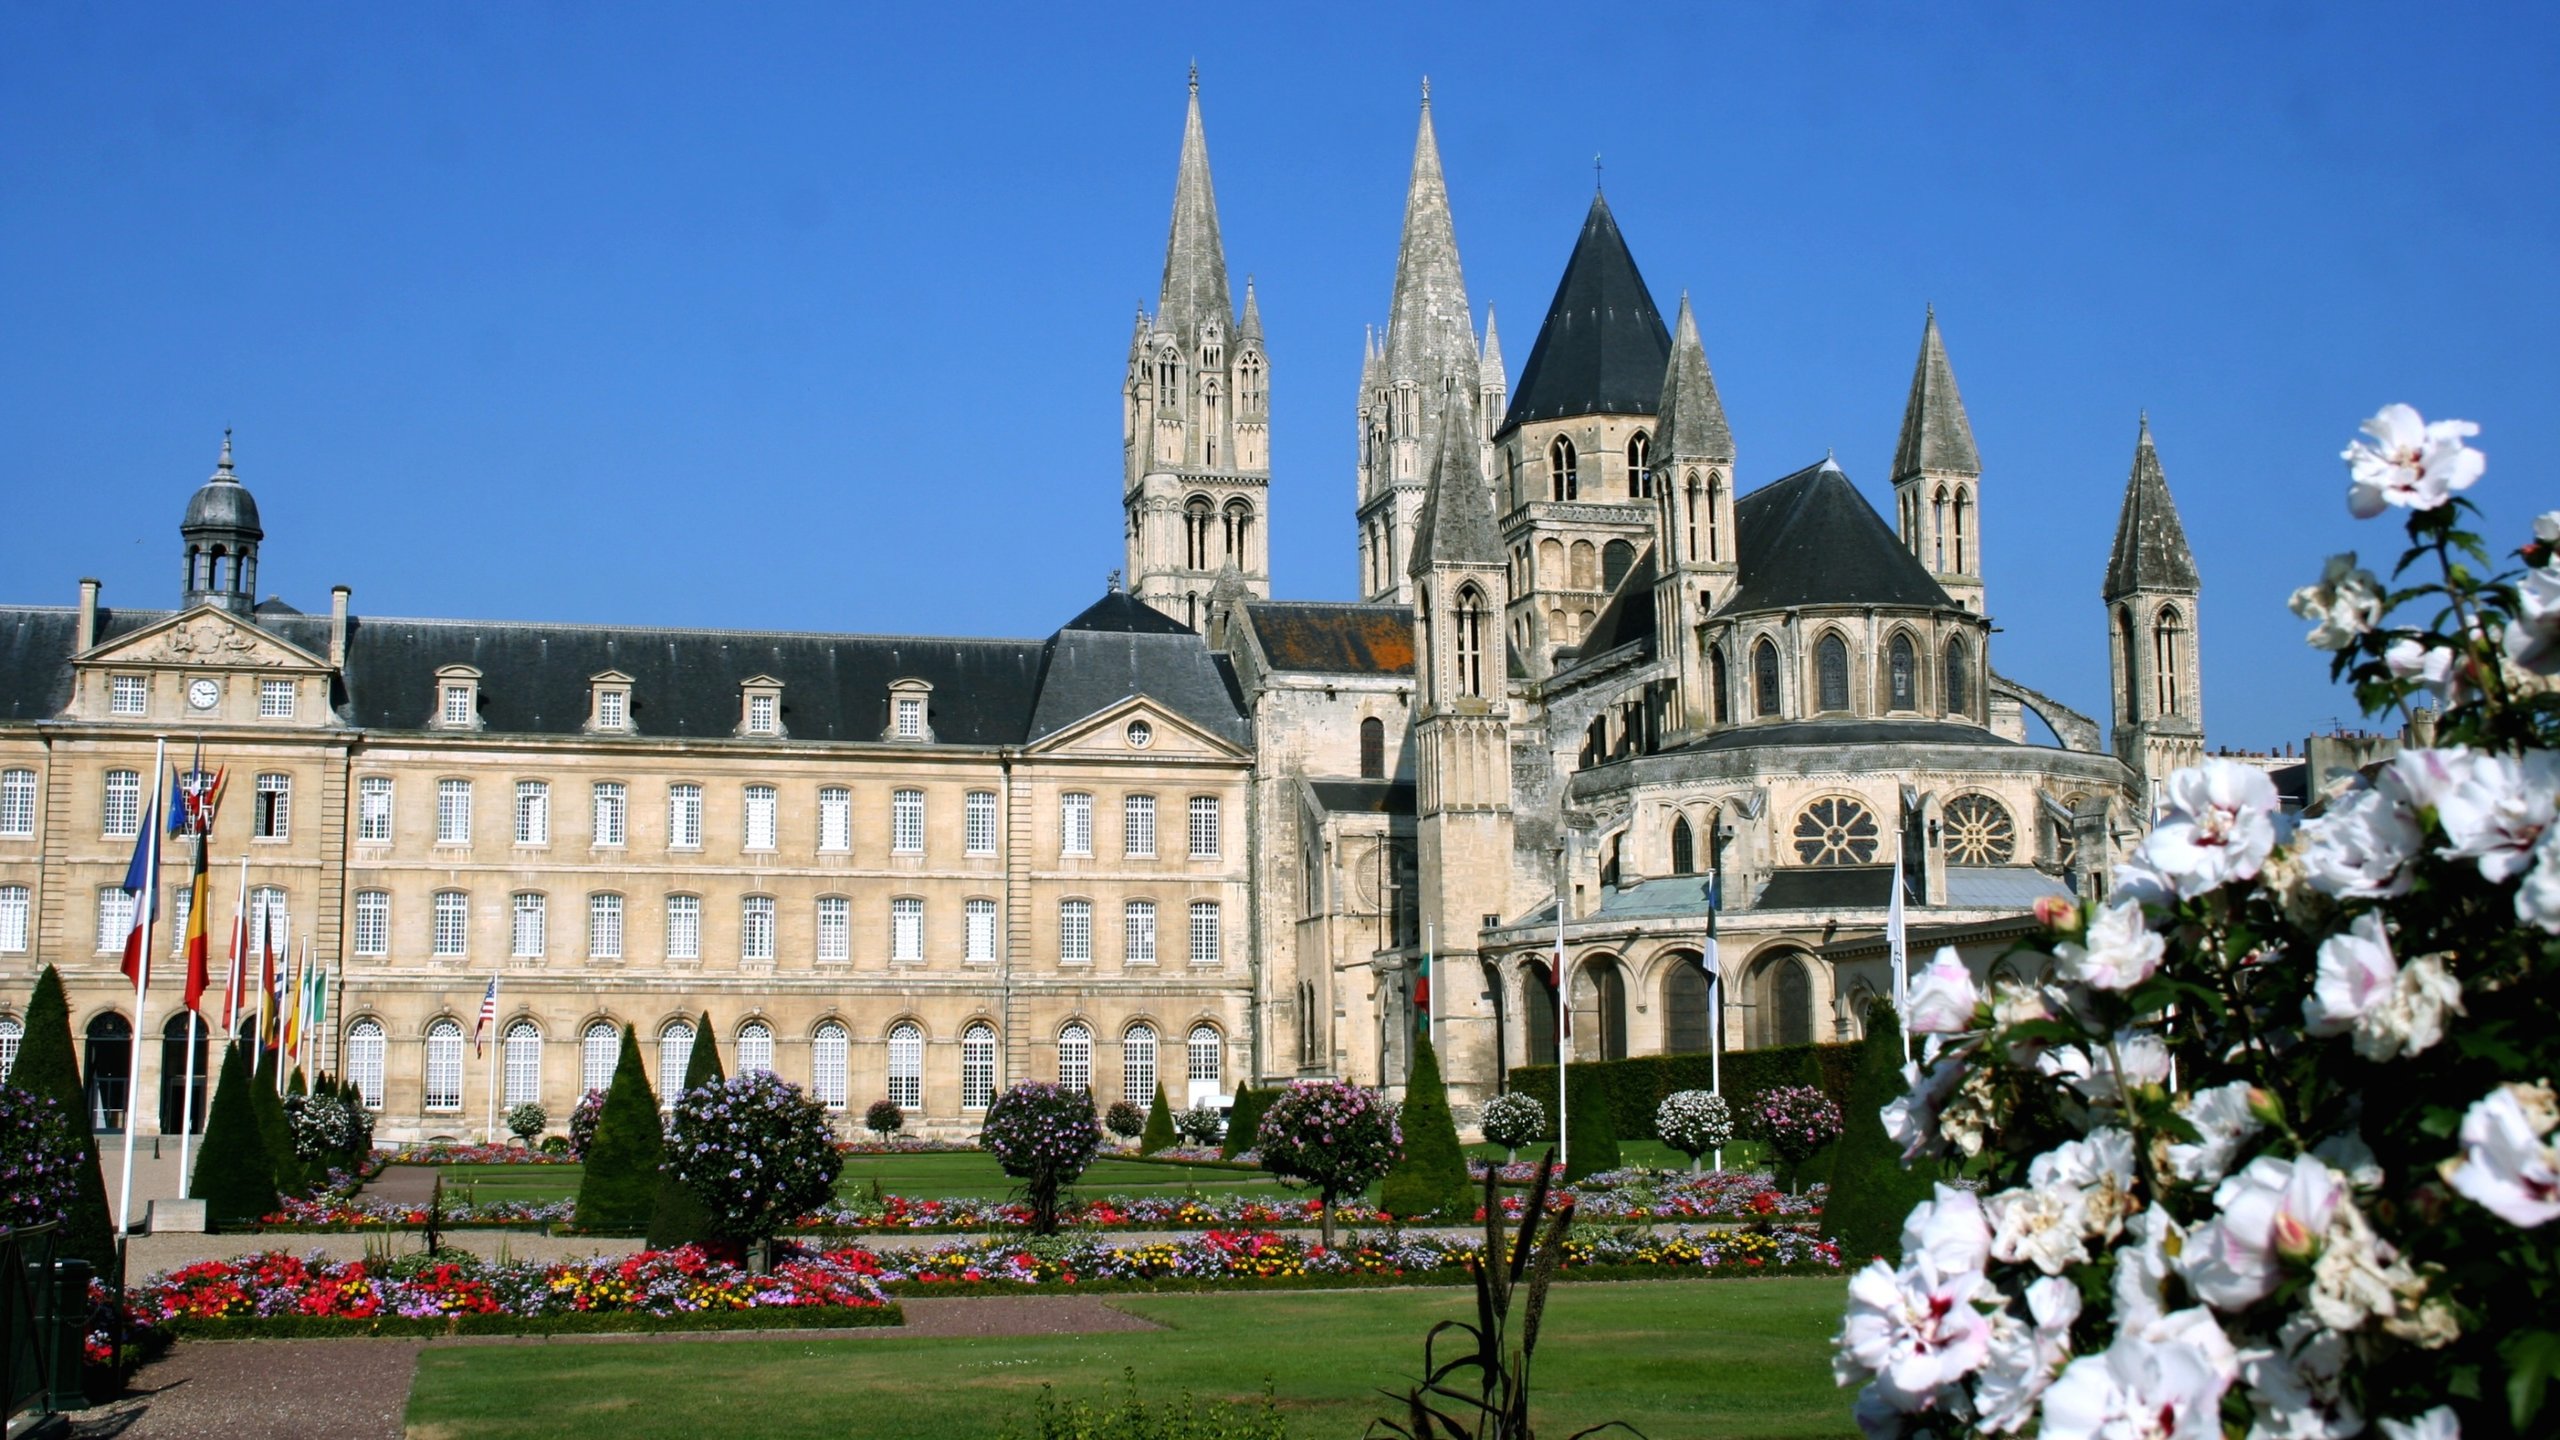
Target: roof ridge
[711, 630]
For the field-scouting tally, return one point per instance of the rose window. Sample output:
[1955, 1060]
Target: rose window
[1979, 831]
[1835, 832]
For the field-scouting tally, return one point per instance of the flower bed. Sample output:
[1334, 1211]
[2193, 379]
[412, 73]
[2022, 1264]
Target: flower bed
[332, 1212]
[1642, 1196]
[474, 1155]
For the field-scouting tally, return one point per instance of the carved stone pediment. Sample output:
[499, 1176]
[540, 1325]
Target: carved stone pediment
[205, 637]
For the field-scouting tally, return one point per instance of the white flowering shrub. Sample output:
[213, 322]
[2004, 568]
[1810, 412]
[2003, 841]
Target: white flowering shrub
[1201, 1124]
[2271, 1154]
[1694, 1122]
[1512, 1120]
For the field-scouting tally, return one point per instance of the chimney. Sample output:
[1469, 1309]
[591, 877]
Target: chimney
[338, 626]
[88, 632]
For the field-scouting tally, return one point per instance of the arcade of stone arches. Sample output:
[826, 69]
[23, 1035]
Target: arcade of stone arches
[1634, 1000]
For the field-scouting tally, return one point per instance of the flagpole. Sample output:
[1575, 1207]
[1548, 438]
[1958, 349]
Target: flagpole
[148, 900]
[1564, 1015]
[282, 971]
[493, 1086]
[235, 979]
[1430, 1002]
[1714, 962]
[1897, 952]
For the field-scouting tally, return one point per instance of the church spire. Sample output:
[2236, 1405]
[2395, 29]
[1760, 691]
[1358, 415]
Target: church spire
[1250, 327]
[1692, 425]
[1456, 526]
[2151, 545]
[1195, 262]
[1430, 329]
[1936, 436]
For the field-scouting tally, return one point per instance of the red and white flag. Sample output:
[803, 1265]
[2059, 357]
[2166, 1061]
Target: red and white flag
[488, 1016]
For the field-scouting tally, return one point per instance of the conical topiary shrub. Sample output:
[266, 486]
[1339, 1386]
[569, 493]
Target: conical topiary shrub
[1244, 1120]
[1430, 1178]
[275, 1130]
[1159, 1131]
[235, 1177]
[621, 1185]
[679, 1218]
[1591, 1124]
[49, 1065]
[1871, 1193]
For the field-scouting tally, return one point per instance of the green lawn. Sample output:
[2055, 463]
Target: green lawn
[1741, 1155]
[1729, 1358]
[935, 1175]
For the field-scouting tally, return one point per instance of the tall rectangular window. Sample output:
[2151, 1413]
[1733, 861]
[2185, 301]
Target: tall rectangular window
[762, 818]
[275, 699]
[373, 922]
[982, 822]
[981, 944]
[1075, 932]
[604, 927]
[1138, 827]
[684, 927]
[906, 929]
[457, 705]
[182, 899]
[524, 1063]
[13, 919]
[906, 1067]
[612, 812]
[835, 930]
[1075, 824]
[17, 802]
[453, 812]
[755, 928]
[532, 926]
[1204, 932]
[453, 923]
[373, 808]
[444, 1066]
[128, 695]
[835, 818]
[1138, 920]
[364, 1061]
[612, 706]
[598, 1050]
[115, 917]
[274, 818]
[829, 1067]
[533, 812]
[906, 822]
[910, 717]
[684, 817]
[1204, 827]
[122, 804]
[760, 714]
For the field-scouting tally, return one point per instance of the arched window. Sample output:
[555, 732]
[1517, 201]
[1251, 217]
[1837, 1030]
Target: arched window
[1240, 534]
[1690, 493]
[107, 1061]
[184, 1026]
[1791, 1002]
[1599, 1010]
[2168, 637]
[1471, 617]
[1715, 516]
[1196, 515]
[1373, 749]
[977, 1066]
[598, 1050]
[1719, 686]
[1901, 672]
[523, 1063]
[1684, 848]
[1207, 1067]
[1938, 531]
[1639, 466]
[1560, 469]
[1764, 678]
[364, 1060]
[906, 1065]
[1964, 502]
[1959, 677]
[1582, 569]
[755, 1048]
[1979, 831]
[1538, 1012]
[2128, 697]
[444, 1065]
[1075, 1057]
[1138, 1065]
[830, 1067]
[1831, 672]
[675, 1052]
[1684, 1007]
[1616, 559]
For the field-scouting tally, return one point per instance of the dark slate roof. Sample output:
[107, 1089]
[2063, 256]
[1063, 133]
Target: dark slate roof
[1123, 647]
[1364, 797]
[1630, 617]
[35, 660]
[274, 605]
[1334, 639]
[1827, 733]
[1812, 539]
[1123, 612]
[1827, 887]
[1936, 436]
[1603, 348]
[2151, 546]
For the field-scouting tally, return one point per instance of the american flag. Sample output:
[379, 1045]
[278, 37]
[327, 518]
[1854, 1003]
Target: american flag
[488, 1016]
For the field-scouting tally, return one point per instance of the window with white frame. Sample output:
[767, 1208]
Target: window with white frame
[755, 1048]
[364, 1060]
[830, 1067]
[1204, 827]
[128, 695]
[1207, 1056]
[459, 709]
[906, 1065]
[910, 717]
[182, 899]
[1075, 932]
[273, 819]
[763, 805]
[835, 818]
[115, 917]
[906, 929]
[1075, 1057]
[599, 1050]
[275, 699]
[981, 829]
[755, 928]
[533, 812]
[532, 926]
[453, 923]
[373, 808]
[1075, 824]
[267, 918]
[453, 812]
[1204, 932]
[906, 822]
[373, 923]
[12, 1033]
[684, 927]
[1138, 925]
[613, 708]
[977, 1066]
[17, 802]
[523, 1062]
[1138, 827]
[604, 926]
[1138, 1065]
[13, 919]
[684, 817]
[675, 1053]
[444, 1065]
[762, 708]
[122, 804]
[835, 930]
[612, 812]
[980, 943]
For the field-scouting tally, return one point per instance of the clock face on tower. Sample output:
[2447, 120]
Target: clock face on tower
[203, 694]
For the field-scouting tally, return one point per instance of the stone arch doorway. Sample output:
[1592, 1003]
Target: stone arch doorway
[173, 1071]
[107, 1059]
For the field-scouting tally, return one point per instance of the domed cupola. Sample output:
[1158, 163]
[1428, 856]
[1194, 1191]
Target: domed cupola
[221, 532]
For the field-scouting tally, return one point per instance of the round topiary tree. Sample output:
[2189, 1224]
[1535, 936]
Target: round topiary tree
[1511, 1120]
[1124, 1120]
[1591, 1124]
[1795, 1122]
[49, 1064]
[620, 1186]
[1244, 1120]
[582, 1122]
[1336, 1137]
[1200, 1125]
[39, 1160]
[1158, 1133]
[1044, 1136]
[1694, 1122]
[527, 1121]
[234, 1175]
[323, 1129]
[755, 1152]
[884, 1119]
[1871, 1193]
[1430, 1178]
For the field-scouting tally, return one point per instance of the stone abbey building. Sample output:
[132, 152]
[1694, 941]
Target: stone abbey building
[1598, 683]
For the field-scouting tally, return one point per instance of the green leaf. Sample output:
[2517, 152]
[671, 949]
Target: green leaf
[2532, 1357]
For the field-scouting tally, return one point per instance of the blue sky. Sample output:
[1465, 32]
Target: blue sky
[814, 316]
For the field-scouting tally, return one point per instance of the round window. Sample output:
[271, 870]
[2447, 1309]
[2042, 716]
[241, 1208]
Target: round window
[1141, 734]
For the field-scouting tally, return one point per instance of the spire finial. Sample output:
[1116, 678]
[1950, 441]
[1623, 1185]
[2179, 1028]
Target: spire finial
[222, 468]
[1596, 188]
[1112, 582]
[1195, 77]
[1426, 92]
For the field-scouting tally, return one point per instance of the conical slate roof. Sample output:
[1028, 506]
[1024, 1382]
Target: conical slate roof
[2151, 546]
[1431, 334]
[1456, 524]
[1936, 436]
[1693, 425]
[1812, 539]
[1603, 346]
[1195, 262]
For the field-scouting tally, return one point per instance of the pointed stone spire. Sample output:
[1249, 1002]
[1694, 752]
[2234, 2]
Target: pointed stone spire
[1693, 425]
[2151, 545]
[1195, 262]
[1490, 360]
[1456, 526]
[1250, 327]
[1936, 436]
[1430, 328]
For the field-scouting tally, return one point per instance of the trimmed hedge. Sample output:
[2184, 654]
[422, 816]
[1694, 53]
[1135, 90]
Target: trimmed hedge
[1640, 1084]
[679, 1218]
[1172, 1285]
[619, 1190]
[1871, 1192]
[1159, 1132]
[326, 1327]
[1244, 1121]
[1430, 1178]
[235, 1177]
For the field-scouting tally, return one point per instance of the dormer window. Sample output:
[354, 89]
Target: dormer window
[911, 712]
[610, 708]
[910, 717]
[457, 698]
[760, 706]
[609, 702]
[761, 712]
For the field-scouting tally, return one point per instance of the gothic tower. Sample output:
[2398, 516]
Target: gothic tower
[1694, 544]
[1196, 416]
[1405, 375]
[1937, 476]
[221, 535]
[2151, 595]
[1462, 728]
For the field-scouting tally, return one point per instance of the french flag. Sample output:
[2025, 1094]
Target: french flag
[142, 878]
